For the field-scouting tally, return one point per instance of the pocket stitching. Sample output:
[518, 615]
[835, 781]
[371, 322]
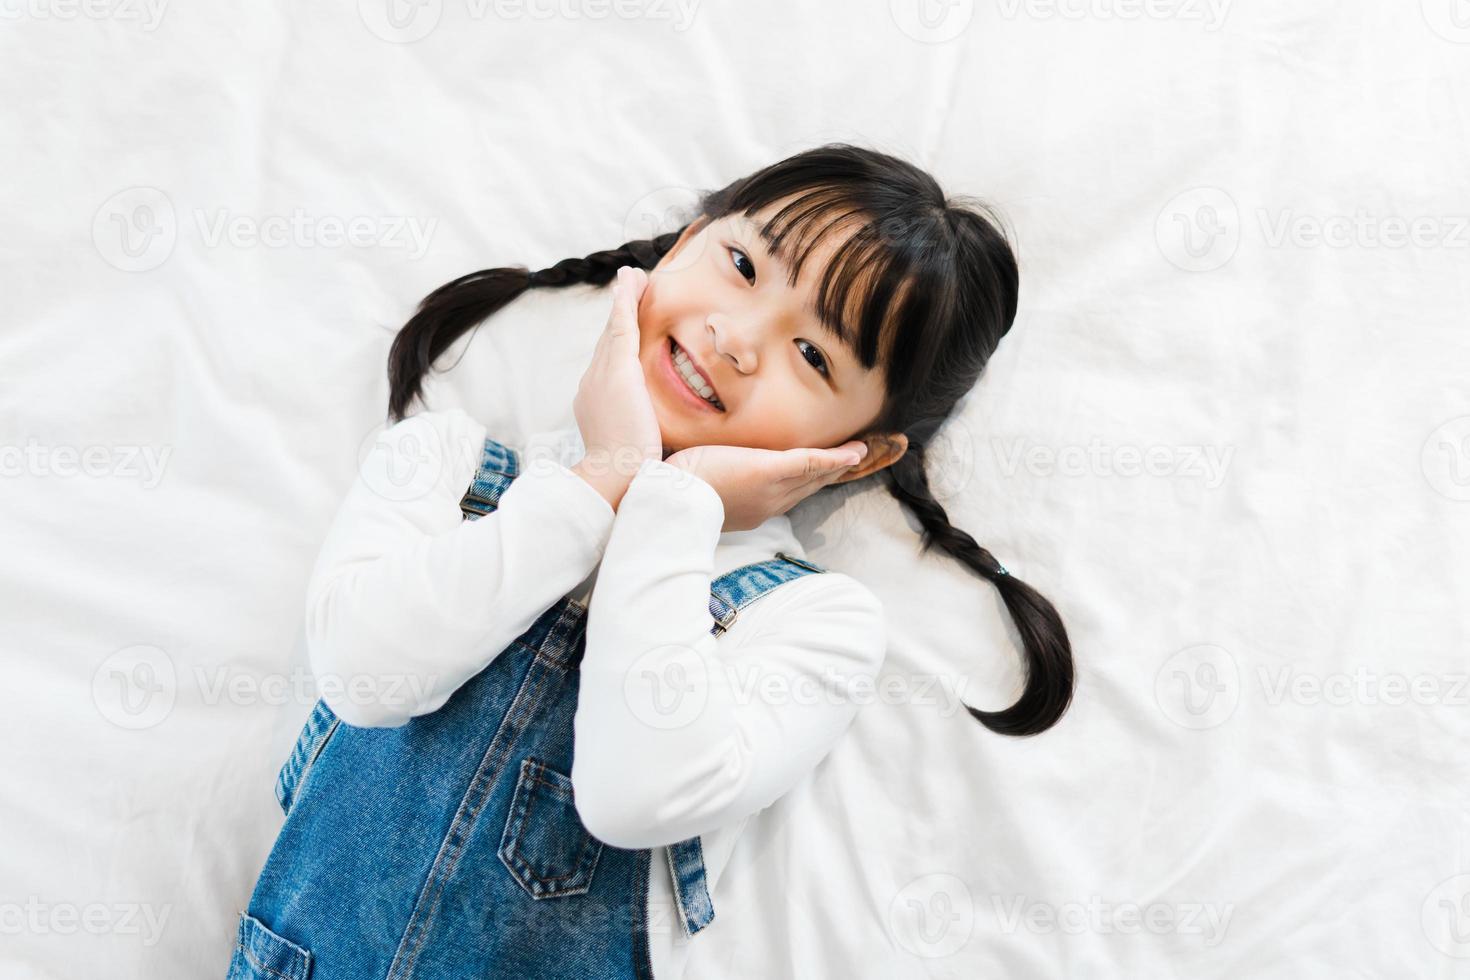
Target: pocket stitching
[300, 956]
[259, 965]
[515, 860]
[587, 843]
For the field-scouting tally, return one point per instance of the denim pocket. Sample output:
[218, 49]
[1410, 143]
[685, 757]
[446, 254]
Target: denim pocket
[262, 955]
[320, 725]
[545, 847]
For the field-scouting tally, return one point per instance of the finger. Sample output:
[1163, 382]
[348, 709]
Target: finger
[624, 317]
[615, 319]
[803, 466]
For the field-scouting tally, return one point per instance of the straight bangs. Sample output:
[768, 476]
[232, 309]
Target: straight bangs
[884, 279]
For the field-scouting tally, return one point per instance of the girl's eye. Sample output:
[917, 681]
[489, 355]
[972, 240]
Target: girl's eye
[820, 363]
[736, 252]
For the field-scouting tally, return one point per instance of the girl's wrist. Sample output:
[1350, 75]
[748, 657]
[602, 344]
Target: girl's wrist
[610, 484]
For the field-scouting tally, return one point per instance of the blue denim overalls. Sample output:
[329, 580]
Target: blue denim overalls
[450, 846]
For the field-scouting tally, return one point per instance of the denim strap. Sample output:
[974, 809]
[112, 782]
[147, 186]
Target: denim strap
[731, 592]
[499, 464]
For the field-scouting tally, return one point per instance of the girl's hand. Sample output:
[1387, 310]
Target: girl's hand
[612, 406]
[757, 484]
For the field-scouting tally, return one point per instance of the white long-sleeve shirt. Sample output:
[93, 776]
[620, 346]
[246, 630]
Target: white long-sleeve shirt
[677, 732]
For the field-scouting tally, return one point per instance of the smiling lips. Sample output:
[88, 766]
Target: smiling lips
[696, 380]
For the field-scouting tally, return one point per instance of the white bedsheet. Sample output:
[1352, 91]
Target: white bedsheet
[1238, 462]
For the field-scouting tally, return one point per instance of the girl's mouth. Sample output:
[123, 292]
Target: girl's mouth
[687, 378]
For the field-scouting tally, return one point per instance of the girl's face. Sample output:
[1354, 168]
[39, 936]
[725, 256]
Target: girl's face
[782, 380]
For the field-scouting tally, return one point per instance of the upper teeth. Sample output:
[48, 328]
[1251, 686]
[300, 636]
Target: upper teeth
[692, 377]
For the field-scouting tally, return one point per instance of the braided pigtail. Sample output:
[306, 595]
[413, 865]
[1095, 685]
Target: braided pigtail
[1049, 671]
[456, 307]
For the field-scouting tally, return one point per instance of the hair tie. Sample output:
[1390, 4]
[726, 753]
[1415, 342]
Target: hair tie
[1000, 569]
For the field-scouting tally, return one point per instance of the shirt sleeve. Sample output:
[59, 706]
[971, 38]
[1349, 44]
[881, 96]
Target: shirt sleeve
[408, 600]
[677, 731]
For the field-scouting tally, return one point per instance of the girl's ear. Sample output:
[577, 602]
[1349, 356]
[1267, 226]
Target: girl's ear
[883, 450]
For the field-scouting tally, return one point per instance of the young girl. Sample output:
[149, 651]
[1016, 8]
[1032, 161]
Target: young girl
[559, 679]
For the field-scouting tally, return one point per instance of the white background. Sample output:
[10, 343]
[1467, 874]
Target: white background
[1229, 436]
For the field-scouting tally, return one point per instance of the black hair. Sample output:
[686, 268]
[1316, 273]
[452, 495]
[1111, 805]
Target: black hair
[925, 285]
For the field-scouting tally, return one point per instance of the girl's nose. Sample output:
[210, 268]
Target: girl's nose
[735, 344]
